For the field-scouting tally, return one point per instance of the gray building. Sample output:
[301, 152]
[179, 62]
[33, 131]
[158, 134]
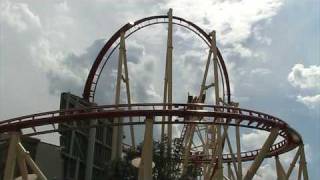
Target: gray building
[83, 154]
[85, 151]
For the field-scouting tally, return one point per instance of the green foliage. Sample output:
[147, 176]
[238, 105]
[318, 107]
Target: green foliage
[167, 165]
[122, 169]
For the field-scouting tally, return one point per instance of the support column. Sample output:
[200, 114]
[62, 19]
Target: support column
[33, 166]
[145, 169]
[169, 73]
[303, 163]
[204, 80]
[209, 130]
[22, 166]
[187, 144]
[90, 150]
[280, 171]
[17, 152]
[219, 172]
[117, 130]
[126, 81]
[239, 173]
[262, 154]
[293, 163]
[11, 157]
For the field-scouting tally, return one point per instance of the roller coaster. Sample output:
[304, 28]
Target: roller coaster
[216, 151]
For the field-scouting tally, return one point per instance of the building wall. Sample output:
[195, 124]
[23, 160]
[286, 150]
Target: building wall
[49, 160]
[76, 145]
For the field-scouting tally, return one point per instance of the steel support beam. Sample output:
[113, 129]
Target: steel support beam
[145, 168]
[281, 175]
[303, 163]
[262, 154]
[204, 80]
[239, 173]
[169, 72]
[90, 150]
[22, 166]
[33, 166]
[126, 81]
[187, 145]
[16, 152]
[11, 157]
[231, 175]
[231, 152]
[219, 172]
[118, 130]
[293, 163]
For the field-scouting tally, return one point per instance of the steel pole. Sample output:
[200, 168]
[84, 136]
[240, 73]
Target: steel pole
[30, 162]
[126, 80]
[11, 156]
[90, 150]
[117, 130]
[219, 172]
[262, 154]
[145, 169]
[281, 175]
[169, 60]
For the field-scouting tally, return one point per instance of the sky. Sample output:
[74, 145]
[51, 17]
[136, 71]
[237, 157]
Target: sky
[271, 48]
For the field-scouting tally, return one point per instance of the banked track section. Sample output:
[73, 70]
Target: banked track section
[209, 114]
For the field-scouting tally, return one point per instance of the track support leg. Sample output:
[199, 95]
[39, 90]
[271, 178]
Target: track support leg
[280, 171]
[145, 170]
[262, 154]
[11, 157]
[16, 152]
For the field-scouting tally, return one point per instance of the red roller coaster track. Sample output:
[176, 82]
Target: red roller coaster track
[98, 65]
[232, 117]
[137, 113]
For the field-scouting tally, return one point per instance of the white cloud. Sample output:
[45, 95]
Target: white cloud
[313, 102]
[253, 140]
[305, 77]
[260, 71]
[234, 21]
[18, 16]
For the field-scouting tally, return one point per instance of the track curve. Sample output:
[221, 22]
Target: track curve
[94, 73]
[230, 116]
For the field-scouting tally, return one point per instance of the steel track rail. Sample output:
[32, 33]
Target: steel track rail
[93, 77]
[242, 117]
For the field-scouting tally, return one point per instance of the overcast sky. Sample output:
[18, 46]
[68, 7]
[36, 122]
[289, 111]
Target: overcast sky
[271, 48]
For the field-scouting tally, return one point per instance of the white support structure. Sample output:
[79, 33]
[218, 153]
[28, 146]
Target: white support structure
[303, 163]
[187, 145]
[17, 153]
[231, 175]
[218, 173]
[11, 157]
[145, 168]
[33, 166]
[169, 72]
[23, 166]
[281, 175]
[127, 82]
[118, 130]
[215, 169]
[293, 163]
[117, 134]
[262, 154]
[239, 173]
[231, 152]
